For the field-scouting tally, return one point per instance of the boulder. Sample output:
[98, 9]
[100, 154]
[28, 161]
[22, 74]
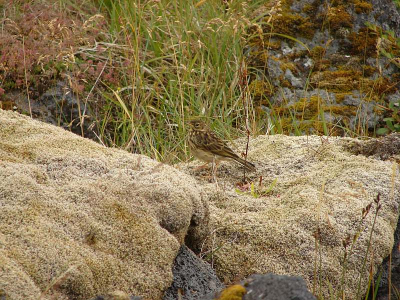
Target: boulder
[276, 287]
[193, 278]
[266, 287]
[80, 220]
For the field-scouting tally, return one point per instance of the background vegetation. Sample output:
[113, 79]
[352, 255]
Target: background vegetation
[140, 69]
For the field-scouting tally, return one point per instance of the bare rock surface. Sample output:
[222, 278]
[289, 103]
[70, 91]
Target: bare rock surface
[193, 278]
[276, 287]
[311, 199]
[266, 287]
[80, 220]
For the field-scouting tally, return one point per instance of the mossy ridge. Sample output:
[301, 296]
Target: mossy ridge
[346, 80]
[307, 111]
[340, 76]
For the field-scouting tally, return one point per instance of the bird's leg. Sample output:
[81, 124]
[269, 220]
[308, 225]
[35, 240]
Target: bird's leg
[215, 164]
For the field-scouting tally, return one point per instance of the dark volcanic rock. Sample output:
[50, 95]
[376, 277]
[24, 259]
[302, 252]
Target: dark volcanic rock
[267, 287]
[276, 287]
[58, 106]
[117, 297]
[193, 278]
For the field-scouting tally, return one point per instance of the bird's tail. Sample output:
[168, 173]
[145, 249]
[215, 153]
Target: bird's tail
[248, 165]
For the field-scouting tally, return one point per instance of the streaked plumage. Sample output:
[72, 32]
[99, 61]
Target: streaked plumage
[206, 145]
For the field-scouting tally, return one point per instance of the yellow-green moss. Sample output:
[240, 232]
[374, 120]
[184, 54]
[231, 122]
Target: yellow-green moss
[362, 6]
[337, 81]
[260, 88]
[307, 29]
[289, 65]
[285, 83]
[335, 3]
[340, 97]
[317, 52]
[311, 9]
[293, 25]
[234, 292]
[309, 107]
[338, 18]
[341, 110]
[380, 85]
[368, 70]
[306, 113]
[259, 56]
[346, 80]
[363, 43]
[7, 105]
[274, 45]
[305, 108]
[322, 65]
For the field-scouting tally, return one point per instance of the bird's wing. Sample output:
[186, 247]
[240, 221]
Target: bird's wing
[217, 146]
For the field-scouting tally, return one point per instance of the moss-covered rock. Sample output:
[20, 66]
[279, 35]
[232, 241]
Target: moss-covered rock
[79, 219]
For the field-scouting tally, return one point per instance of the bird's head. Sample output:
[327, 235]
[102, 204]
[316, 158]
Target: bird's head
[197, 124]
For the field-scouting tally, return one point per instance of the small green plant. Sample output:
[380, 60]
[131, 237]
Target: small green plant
[348, 245]
[338, 292]
[256, 190]
[392, 122]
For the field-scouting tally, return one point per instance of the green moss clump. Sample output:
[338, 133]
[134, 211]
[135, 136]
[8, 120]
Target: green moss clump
[379, 86]
[368, 70]
[9, 85]
[337, 81]
[293, 25]
[289, 65]
[259, 88]
[274, 45]
[339, 18]
[234, 292]
[7, 105]
[363, 42]
[306, 115]
[285, 83]
[362, 7]
[317, 52]
[344, 80]
[341, 110]
[322, 64]
[310, 9]
[340, 97]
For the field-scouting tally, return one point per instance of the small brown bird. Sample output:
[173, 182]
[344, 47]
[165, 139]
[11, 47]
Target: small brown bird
[207, 146]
